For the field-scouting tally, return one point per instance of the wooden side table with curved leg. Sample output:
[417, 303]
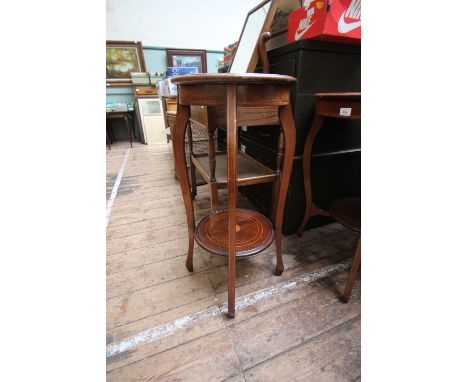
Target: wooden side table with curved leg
[331, 105]
[347, 211]
[235, 232]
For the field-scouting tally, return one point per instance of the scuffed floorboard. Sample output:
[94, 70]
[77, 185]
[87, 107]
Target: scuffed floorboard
[300, 333]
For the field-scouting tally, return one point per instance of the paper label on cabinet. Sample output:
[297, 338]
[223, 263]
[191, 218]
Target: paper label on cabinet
[242, 148]
[345, 111]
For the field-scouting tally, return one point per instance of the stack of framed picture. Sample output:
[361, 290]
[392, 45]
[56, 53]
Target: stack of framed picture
[123, 58]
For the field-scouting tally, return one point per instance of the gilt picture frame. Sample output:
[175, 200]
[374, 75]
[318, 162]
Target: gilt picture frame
[122, 58]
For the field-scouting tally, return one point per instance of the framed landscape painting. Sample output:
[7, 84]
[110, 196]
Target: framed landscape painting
[122, 58]
[187, 57]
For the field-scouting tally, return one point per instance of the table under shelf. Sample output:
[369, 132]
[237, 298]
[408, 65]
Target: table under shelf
[249, 170]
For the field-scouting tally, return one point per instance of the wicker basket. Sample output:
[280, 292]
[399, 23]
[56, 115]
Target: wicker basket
[199, 139]
[199, 143]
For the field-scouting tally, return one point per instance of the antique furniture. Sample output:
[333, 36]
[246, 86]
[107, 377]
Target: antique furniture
[251, 47]
[126, 116]
[234, 100]
[347, 211]
[145, 91]
[328, 105]
[122, 58]
[319, 67]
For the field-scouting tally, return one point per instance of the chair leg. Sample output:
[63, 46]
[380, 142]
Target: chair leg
[353, 272]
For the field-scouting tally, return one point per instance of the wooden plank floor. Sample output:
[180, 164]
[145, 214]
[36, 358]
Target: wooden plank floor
[303, 334]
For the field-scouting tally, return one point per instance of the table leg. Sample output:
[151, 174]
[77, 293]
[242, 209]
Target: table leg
[109, 130]
[314, 129]
[231, 129]
[108, 141]
[353, 272]
[287, 123]
[129, 130]
[178, 145]
[212, 157]
[279, 163]
[193, 178]
[214, 196]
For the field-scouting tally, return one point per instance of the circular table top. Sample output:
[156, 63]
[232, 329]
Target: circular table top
[254, 232]
[347, 211]
[230, 78]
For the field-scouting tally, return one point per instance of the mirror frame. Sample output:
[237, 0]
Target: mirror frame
[266, 25]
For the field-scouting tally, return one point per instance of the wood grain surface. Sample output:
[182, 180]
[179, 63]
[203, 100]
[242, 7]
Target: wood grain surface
[306, 334]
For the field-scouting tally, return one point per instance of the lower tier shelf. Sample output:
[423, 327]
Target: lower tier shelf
[249, 171]
[254, 232]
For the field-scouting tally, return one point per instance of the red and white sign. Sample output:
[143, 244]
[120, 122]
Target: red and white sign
[328, 20]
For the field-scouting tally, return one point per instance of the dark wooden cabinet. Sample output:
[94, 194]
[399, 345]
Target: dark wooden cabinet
[336, 158]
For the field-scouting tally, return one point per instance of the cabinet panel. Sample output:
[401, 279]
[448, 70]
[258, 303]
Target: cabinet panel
[318, 67]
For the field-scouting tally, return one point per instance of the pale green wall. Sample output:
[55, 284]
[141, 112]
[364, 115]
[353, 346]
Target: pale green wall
[155, 61]
[212, 61]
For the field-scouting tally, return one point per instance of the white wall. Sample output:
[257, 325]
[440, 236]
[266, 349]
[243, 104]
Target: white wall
[195, 24]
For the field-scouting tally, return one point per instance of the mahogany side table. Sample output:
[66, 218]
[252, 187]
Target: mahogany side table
[235, 232]
[331, 105]
[347, 211]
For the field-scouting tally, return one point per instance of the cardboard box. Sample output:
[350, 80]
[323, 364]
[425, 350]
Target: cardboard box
[140, 78]
[180, 71]
[327, 20]
[166, 88]
[155, 77]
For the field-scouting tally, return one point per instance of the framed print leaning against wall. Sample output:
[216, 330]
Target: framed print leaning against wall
[122, 58]
[187, 57]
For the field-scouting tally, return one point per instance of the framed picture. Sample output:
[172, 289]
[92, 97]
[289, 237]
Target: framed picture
[187, 57]
[122, 58]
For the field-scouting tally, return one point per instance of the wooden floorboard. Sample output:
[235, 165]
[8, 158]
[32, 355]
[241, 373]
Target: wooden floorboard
[334, 355]
[302, 334]
[122, 261]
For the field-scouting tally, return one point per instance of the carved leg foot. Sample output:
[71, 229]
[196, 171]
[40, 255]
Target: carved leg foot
[279, 258]
[189, 262]
[353, 272]
[300, 230]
